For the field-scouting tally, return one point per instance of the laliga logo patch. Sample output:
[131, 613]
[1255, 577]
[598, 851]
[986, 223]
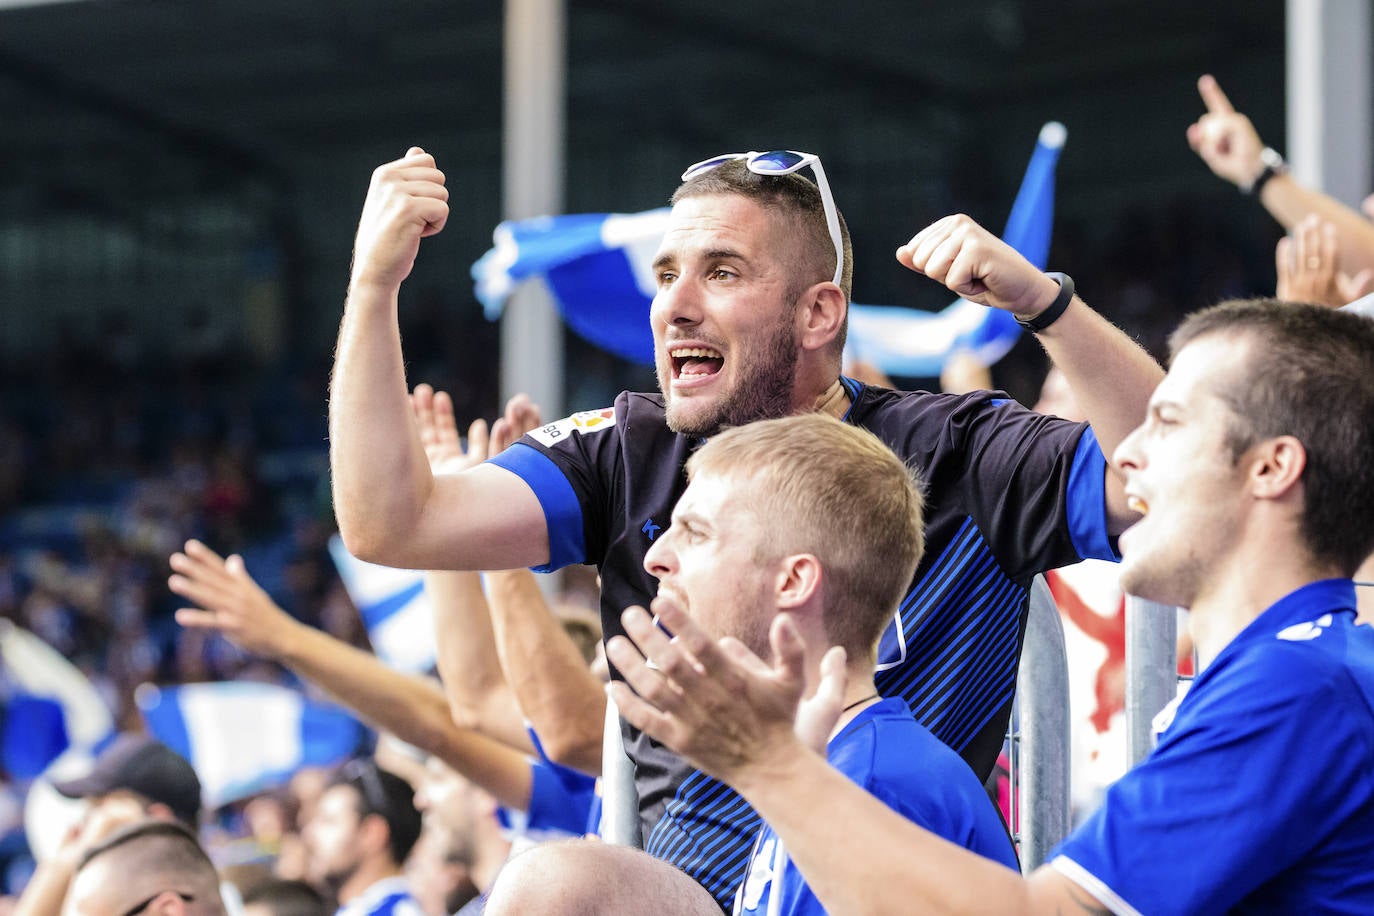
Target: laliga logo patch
[1301, 632]
[586, 421]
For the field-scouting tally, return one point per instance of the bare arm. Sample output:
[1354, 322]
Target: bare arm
[1229, 144]
[391, 509]
[479, 695]
[413, 708]
[1110, 374]
[733, 716]
[558, 694]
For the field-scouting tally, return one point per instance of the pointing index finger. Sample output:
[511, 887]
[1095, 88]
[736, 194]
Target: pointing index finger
[1212, 96]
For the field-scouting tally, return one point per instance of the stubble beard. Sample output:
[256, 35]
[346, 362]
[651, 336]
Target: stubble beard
[762, 392]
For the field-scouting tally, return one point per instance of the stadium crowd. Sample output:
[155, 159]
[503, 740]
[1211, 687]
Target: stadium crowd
[200, 553]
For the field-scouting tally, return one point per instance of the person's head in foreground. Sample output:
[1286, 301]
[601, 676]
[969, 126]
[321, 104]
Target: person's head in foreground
[1262, 432]
[753, 279]
[805, 515]
[153, 867]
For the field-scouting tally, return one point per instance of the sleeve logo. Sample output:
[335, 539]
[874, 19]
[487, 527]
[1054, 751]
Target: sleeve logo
[586, 421]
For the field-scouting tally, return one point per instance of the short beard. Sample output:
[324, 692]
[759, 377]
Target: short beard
[764, 392]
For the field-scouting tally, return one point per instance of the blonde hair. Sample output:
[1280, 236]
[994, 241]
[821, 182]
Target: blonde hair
[835, 491]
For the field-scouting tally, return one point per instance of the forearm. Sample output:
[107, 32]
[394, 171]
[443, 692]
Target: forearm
[1289, 202]
[860, 856]
[46, 891]
[1111, 376]
[381, 477]
[478, 694]
[412, 708]
[557, 693]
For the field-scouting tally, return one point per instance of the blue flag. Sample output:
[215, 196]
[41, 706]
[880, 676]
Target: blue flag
[598, 268]
[49, 705]
[394, 606]
[243, 738]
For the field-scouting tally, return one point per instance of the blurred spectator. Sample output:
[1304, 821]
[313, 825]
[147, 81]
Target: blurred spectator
[359, 837]
[284, 898]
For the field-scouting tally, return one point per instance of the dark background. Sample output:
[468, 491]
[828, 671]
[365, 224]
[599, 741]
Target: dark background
[179, 182]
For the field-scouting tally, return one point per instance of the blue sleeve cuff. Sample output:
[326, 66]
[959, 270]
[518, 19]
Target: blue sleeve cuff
[562, 510]
[1087, 501]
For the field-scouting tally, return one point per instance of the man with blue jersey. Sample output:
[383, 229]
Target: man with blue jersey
[1254, 478]
[363, 828]
[763, 530]
[753, 277]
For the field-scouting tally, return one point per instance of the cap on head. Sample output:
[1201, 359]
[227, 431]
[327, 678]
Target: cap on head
[147, 767]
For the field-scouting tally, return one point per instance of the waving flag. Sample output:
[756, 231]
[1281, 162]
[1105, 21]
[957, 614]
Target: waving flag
[49, 704]
[242, 738]
[598, 266]
[395, 608]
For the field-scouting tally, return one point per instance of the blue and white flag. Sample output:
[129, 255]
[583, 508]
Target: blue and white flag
[50, 705]
[598, 267]
[394, 606]
[243, 738]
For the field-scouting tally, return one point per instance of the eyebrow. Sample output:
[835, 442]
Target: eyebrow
[669, 258]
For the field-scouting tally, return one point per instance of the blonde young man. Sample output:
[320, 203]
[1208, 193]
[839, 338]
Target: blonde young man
[753, 279]
[1253, 472]
[763, 530]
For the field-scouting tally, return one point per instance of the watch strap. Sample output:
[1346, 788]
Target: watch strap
[1056, 308]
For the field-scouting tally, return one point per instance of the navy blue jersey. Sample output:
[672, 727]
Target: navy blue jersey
[905, 767]
[1010, 493]
[1260, 795]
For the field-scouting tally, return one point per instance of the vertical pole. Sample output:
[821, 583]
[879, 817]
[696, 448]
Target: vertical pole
[1043, 804]
[532, 185]
[1330, 106]
[619, 801]
[1151, 670]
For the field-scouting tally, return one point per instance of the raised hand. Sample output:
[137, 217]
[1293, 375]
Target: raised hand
[1225, 138]
[1307, 264]
[230, 601]
[521, 416]
[407, 201]
[433, 411]
[979, 266]
[716, 703]
[434, 417]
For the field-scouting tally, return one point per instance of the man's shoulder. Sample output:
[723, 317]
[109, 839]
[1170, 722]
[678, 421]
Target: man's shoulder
[887, 745]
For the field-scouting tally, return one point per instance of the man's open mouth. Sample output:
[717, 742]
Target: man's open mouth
[695, 362]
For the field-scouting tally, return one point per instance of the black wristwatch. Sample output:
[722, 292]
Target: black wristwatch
[1273, 165]
[1056, 308]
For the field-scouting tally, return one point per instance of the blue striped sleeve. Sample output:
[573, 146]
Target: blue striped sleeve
[1087, 501]
[562, 510]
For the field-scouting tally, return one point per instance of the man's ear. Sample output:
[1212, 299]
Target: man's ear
[1276, 466]
[799, 580]
[375, 833]
[168, 905]
[821, 314]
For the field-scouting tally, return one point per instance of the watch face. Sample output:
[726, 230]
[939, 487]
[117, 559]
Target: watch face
[1271, 158]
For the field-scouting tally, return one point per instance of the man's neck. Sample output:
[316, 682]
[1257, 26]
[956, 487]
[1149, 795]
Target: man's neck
[834, 401]
[859, 694]
[1235, 598]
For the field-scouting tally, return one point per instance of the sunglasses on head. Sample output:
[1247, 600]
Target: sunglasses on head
[785, 162]
[363, 775]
